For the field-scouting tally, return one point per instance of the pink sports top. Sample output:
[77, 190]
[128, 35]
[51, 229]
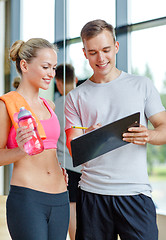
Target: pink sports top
[51, 127]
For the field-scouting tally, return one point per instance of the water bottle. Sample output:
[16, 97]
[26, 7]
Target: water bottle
[35, 144]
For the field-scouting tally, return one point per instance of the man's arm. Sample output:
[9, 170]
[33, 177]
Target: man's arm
[75, 132]
[70, 134]
[141, 135]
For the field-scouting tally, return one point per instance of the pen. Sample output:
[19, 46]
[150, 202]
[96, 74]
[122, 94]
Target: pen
[79, 127]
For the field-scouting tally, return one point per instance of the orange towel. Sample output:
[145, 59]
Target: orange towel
[14, 101]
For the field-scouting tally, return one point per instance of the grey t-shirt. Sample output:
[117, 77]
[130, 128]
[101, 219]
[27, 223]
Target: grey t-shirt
[122, 171]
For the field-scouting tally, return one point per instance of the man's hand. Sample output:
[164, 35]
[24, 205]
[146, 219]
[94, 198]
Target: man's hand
[93, 127]
[137, 135]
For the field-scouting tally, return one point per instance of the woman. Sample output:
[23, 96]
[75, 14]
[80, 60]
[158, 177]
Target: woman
[37, 205]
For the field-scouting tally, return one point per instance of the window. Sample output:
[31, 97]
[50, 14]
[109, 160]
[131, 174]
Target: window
[148, 58]
[147, 48]
[77, 59]
[146, 10]
[84, 11]
[38, 19]
[38, 22]
[80, 12]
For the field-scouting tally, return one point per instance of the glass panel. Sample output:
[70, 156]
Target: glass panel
[2, 46]
[148, 58]
[148, 48]
[77, 59]
[80, 12]
[146, 10]
[38, 19]
[2, 74]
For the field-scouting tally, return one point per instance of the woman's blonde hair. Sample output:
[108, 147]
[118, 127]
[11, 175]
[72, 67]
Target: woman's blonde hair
[28, 50]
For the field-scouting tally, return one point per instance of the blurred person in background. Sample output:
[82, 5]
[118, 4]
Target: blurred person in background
[74, 173]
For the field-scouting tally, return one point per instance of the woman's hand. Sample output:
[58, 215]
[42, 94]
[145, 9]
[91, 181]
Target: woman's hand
[137, 135]
[65, 175]
[23, 135]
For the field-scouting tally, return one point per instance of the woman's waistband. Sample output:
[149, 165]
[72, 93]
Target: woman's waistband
[55, 199]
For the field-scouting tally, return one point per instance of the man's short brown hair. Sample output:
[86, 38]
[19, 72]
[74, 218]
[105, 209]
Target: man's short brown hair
[95, 27]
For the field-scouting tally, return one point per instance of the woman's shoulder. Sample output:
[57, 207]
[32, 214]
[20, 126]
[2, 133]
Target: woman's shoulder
[5, 121]
[50, 103]
[3, 108]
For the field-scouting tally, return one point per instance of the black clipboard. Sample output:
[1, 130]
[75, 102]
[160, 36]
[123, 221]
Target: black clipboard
[102, 140]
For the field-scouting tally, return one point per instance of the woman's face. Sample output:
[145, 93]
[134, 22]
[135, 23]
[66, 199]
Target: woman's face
[41, 70]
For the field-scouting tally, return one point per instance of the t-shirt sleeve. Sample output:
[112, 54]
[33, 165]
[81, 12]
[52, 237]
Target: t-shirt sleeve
[71, 112]
[153, 104]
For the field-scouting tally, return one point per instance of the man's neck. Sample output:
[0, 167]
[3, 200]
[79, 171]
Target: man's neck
[107, 78]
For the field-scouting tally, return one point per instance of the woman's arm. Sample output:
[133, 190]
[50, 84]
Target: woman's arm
[7, 156]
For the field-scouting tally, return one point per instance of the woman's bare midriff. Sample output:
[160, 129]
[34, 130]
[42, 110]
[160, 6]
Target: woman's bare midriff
[40, 172]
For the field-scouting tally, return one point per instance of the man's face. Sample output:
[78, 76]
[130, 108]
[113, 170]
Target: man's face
[101, 52]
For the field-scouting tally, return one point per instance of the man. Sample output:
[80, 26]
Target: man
[115, 193]
[73, 173]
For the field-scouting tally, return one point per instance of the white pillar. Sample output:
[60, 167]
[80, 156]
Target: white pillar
[2, 45]
[2, 74]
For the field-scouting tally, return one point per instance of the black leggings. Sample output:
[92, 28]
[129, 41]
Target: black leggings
[34, 215]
